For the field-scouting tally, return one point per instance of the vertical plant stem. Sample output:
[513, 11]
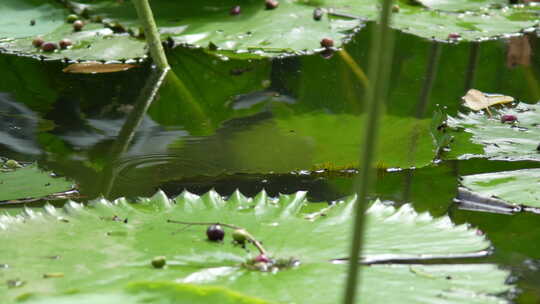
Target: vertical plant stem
[379, 71]
[151, 33]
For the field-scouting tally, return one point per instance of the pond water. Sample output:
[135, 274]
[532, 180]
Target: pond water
[284, 125]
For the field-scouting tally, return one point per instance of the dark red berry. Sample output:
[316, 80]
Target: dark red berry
[38, 41]
[261, 258]
[48, 46]
[454, 36]
[508, 118]
[317, 14]
[235, 10]
[327, 42]
[215, 233]
[64, 43]
[271, 4]
[78, 25]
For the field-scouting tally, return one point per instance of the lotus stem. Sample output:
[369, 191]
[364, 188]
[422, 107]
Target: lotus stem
[376, 94]
[151, 33]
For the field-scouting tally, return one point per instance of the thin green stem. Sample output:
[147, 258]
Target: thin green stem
[248, 235]
[355, 68]
[151, 33]
[376, 95]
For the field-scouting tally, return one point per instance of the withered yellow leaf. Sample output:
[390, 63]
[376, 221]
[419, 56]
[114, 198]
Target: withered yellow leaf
[476, 100]
[97, 67]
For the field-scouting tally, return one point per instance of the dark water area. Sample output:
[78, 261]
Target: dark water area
[281, 125]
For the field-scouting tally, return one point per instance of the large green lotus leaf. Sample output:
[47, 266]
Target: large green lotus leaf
[501, 141]
[104, 246]
[518, 187]
[428, 23]
[30, 182]
[288, 29]
[461, 5]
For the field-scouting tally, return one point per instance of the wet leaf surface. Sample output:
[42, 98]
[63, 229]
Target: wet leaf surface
[99, 253]
[31, 183]
[514, 140]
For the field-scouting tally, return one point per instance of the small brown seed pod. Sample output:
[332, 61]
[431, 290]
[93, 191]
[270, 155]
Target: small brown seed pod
[235, 10]
[271, 4]
[48, 46]
[64, 43]
[37, 42]
[327, 42]
[78, 25]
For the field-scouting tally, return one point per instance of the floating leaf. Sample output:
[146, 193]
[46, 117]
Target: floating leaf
[107, 245]
[30, 183]
[518, 187]
[427, 23]
[462, 5]
[476, 100]
[254, 32]
[503, 141]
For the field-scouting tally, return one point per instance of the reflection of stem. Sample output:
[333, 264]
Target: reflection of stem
[471, 67]
[151, 33]
[431, 73]
[376, 94]
[132, 122]
[355, 68]
[531, 82]
[244, 231]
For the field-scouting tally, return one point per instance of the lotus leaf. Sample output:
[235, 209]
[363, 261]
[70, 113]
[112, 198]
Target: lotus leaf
[107, 246]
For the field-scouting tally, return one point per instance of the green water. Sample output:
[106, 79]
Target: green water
[273, 125]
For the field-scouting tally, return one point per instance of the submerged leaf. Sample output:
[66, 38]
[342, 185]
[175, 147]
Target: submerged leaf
[99, 253]
[30, 183]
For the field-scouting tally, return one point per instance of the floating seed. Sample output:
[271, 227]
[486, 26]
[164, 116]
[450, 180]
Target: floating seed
[38, 41]
[48, 46]
[159, 262]
[32, 22]
[240, 236]
[261, 258]
[64, 43]
[12, 164]
[235, 10]
[454, 36]
[318, 14]
[271, 4]
[327, 43]
[72, 18]
[78, 25]
[215, 233]
[53, 275]
[508, 118]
